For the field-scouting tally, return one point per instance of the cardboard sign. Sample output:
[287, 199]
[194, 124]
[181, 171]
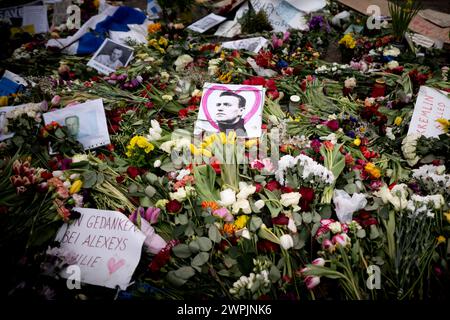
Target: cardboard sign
[431, 105]
[36, 16]
[106, 244]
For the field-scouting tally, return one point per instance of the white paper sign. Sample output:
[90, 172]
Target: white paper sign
[106, 244]
[250, 44]
[14, 77]
[36, 16]
[206, 23]
[431, 104]
[85, 121]
[292, 16]
[307, 6]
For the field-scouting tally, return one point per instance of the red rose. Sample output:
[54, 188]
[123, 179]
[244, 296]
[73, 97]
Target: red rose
[333, 125]
[259, 187]
[173, 206]
[307, 197]
[281, 220]
[46, 175]
[267, 246]
[287, 189]
[272, 185]
[120, 179]
[133, 172]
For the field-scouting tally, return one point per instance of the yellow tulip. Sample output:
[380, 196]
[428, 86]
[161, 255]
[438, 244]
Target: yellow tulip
[76, 186]
[440, 239]
[357, 142]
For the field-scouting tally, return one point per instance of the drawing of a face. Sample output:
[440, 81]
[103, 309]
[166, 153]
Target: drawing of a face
[229, 107]
[116, 54]
[73, 125]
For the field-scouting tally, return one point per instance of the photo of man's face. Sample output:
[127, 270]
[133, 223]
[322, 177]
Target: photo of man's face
[73, 125]
[229, 107]
[116, 54]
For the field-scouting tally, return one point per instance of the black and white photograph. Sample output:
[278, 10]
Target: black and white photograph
[231, 107]
[86, 122]
[206, 23]
[110, 56]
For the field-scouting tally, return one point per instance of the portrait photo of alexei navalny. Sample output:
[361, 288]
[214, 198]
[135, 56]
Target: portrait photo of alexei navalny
[231, 107]
[110, 56]
[86, 122]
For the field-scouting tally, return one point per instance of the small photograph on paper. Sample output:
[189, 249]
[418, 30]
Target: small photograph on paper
[86, 122]
[110, 56]
[206, 23]
[231, 107]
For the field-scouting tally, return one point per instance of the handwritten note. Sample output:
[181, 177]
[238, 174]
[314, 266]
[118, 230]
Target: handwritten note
[106, 244]
[37, 16]
[431, 104]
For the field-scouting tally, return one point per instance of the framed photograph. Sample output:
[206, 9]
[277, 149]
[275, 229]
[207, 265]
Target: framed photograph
[85, 121]
[226, 107]
[110, 56]
[206, 23]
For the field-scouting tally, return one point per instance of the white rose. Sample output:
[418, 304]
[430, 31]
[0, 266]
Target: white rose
[350, 83]
[290, 199]
[259, 204]
[227, 197]
[179, 195]
[157, 163]
[286, 241]
[245, 190]
[242, 204]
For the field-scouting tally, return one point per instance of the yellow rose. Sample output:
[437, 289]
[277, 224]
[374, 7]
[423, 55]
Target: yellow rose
[398, 121]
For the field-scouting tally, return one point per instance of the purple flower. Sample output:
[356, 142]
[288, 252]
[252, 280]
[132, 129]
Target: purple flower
[152, 214]
[319, 23]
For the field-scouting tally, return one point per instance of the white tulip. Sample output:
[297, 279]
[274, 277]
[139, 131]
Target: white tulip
[290, 199]
[259, 204]
[227, 197]
[286, 241]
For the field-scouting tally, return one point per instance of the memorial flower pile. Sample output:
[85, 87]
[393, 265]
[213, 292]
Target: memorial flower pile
[339, 185]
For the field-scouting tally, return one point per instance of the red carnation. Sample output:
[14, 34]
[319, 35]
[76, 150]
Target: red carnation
[173, 206]
[333, 125]
[272, 185]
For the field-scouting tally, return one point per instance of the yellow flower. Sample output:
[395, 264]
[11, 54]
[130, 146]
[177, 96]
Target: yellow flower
[163, 42]
[208, 141]
[3, 101]
[357, 142]
[444, 123]
[348, 41]
[241, 222]
[372, 170]
[223, 137]
[76, 186]
[447, 216]
[441, 239]
[398, 121]
[141, 142]
[225, 77]
[206, 153]
[194, 150]
[250, 143]
[153, 43]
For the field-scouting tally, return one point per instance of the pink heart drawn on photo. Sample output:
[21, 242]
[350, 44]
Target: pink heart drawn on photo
[247, 117]
[113, 266]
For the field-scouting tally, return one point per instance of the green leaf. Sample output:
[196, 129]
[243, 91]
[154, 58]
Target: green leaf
[145, 202]
[185, 272]
[307, 217]
[204, 243]
[274, 274]
[181, 219]
[200, 259]
[182, 251]
[214, 234]
[174, 279]
[89, 179]
[59, 133]
[168, 167]
[194, 246]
